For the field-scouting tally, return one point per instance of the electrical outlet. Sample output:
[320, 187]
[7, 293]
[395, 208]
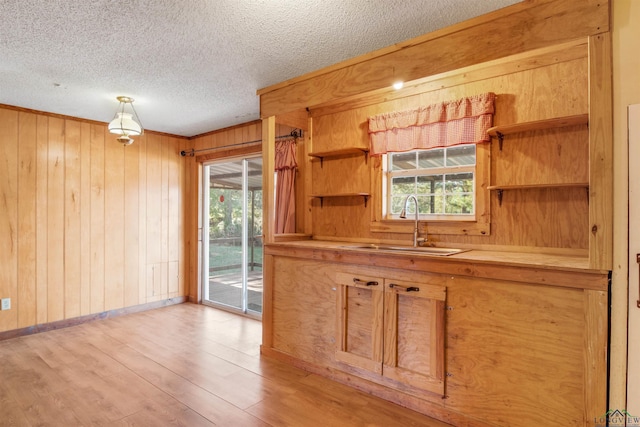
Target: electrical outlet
[6, 303]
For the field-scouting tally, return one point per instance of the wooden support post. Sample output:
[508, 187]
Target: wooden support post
[268, 171]
[600, 153]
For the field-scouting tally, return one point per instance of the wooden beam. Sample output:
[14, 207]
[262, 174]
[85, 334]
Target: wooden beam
[390, 49]
[268, 184]
[307, 179]
[600, 153]
[298, 119]
[225, 130]
[512, 30]
[229, 152]
[529, 60]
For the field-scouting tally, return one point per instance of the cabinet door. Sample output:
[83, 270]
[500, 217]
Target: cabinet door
[414, 334]
[359, 324]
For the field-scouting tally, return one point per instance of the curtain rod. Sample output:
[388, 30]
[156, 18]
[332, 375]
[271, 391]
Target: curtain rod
[296, 133]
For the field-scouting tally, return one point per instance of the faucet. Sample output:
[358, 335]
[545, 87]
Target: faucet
[403, 214]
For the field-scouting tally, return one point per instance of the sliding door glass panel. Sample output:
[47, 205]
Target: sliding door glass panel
[253, 262]
[232, 253]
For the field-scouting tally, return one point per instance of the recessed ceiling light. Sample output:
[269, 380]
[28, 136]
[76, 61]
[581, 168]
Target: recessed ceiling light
[398, 85]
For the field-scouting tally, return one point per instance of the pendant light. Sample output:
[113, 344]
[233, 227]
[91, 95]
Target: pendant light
[126, 122]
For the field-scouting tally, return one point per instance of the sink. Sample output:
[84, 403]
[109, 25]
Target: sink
[420, 249]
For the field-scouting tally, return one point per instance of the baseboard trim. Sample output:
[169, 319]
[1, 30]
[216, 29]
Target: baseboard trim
[44, 327]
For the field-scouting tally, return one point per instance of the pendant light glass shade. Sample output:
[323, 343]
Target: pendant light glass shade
[123, 124]
[126, 122]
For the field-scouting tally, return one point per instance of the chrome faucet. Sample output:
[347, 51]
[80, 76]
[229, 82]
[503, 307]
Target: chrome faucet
[403, 214]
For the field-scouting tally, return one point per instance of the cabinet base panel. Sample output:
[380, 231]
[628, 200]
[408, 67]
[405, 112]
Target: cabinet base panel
[408, 401]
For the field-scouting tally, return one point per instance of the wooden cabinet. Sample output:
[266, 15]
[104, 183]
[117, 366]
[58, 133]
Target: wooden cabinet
[393, 329]
[509, 335]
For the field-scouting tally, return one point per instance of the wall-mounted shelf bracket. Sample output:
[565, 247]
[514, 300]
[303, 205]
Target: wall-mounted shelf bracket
[500, 136]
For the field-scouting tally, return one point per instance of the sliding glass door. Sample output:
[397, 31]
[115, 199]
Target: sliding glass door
[232, 235]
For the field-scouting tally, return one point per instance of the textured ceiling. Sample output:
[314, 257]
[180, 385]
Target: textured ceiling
[193, 65]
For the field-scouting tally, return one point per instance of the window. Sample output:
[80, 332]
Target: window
[438, 153]
[442, 179]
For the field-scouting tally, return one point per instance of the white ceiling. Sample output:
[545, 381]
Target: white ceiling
[193, 65]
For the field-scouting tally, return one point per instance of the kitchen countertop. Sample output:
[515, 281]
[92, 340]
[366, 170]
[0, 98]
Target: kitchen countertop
[548, 269]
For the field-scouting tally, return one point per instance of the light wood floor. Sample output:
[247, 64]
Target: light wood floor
[183, 365]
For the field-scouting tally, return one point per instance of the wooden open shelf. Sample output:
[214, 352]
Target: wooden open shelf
[529, 186]
[501, 188]
[554, 123]
[341, 152]
[322, 196]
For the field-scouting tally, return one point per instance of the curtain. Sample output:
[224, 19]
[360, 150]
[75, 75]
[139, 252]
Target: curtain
[285, 166]
[463, 121]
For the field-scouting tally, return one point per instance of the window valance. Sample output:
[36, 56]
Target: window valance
[463, 121]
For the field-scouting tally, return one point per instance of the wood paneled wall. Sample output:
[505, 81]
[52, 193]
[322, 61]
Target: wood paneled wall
[526, 90]
[428, 63]
[86, 225]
